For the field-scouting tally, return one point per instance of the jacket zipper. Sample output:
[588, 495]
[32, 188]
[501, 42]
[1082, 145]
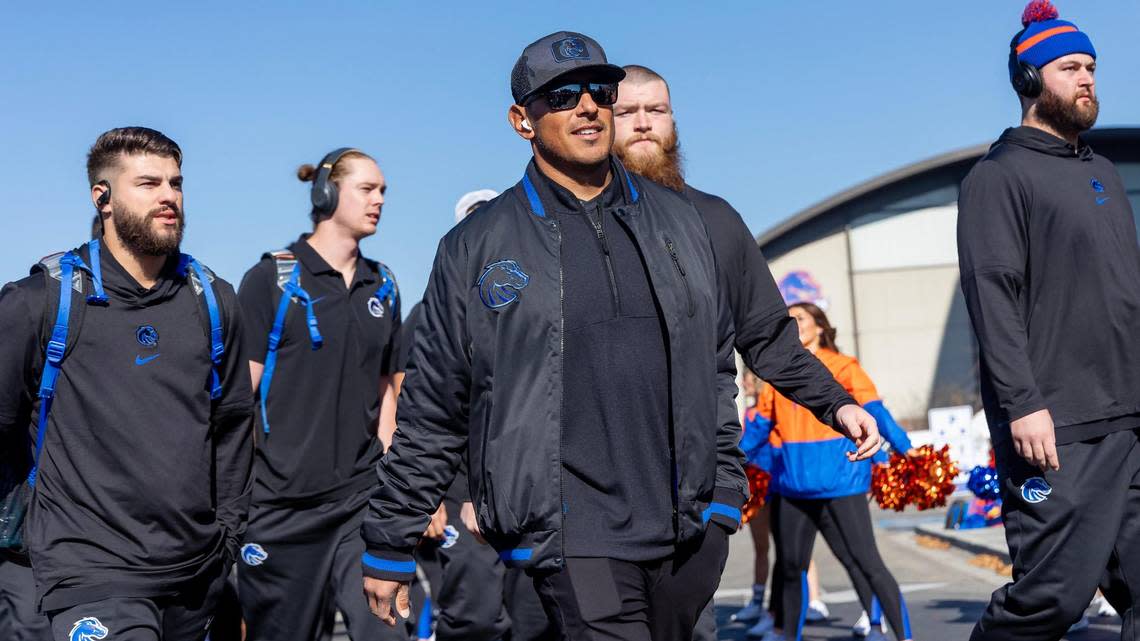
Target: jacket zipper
[681, 271]
[562, 396]
[600, 229]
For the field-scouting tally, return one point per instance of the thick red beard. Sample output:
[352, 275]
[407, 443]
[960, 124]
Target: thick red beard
[662, 165]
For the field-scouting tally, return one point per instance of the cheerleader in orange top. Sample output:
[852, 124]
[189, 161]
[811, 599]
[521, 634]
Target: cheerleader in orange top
[819, 491]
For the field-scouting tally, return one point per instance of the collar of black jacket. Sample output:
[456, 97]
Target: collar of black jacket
[545, 196]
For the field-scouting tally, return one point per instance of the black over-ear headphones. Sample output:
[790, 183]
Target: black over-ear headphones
[104, 197]
[324, 194]
[1026, 78]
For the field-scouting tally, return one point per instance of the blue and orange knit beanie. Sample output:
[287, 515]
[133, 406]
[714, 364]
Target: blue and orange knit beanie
[1046, 38]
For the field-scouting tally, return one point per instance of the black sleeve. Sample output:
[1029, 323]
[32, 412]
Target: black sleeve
[766, 337]
[391, 363]
[231, 424]
[258, 296]
[21, 312]
[408, 336]
[993, 247]
[432, 416]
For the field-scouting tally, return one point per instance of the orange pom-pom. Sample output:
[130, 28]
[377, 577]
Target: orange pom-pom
[889, 483]
[758, 481]
[932, 477]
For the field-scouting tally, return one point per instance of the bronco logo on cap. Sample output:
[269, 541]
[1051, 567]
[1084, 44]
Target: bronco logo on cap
[570, 49]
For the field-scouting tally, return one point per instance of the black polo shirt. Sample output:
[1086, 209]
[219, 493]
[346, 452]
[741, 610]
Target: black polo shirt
[323, 405]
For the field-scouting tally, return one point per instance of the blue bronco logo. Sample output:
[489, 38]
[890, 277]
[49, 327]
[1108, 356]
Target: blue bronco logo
[87, 629]
[1035, 490]
[253, 554]
[501, 283]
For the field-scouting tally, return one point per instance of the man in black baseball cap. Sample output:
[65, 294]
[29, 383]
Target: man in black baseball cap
[576, 347]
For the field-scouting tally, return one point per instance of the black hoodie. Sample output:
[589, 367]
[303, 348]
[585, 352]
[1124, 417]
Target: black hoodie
[143, 481]
[1050, 270]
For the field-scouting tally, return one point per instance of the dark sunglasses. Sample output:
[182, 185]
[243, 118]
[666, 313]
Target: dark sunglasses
[567, 96]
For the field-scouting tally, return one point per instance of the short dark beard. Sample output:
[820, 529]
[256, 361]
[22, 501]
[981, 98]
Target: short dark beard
[664, 166]
[1064, 116]
[135, 232]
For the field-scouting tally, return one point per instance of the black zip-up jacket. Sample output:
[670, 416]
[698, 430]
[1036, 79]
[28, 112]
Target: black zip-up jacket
[486, 376]
[767, 338]
[143, 483]
[1051, 273]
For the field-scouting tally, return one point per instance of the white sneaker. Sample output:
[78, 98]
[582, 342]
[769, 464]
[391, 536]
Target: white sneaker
[817, 611]
[862, 627]
[1082, 624]
[762, 627]
[1104, 608]
[749, 613]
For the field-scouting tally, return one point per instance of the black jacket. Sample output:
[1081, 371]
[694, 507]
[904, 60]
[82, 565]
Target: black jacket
[1050, 269]
[767, 338]
[486, 376]
[144, 480]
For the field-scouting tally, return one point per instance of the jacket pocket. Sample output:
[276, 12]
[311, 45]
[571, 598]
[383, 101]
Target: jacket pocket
[672, 249]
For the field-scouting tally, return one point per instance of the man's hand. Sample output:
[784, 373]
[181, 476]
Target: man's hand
[438, 522]
[1035, 441]
[381, 594]
[467, 515]
[856, 424]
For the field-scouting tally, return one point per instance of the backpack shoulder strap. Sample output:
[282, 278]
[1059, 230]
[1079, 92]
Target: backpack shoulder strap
[286, 262]
[201, 280]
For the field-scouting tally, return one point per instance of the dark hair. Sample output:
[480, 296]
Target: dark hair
[127, 141]
[827, 336]
[638, 74]
[308, 173]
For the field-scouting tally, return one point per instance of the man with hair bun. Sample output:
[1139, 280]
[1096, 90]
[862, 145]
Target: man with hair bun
[139, 449]
[1049, 263]
[322, 327]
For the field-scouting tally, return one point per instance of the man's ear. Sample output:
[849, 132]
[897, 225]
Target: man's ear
[517, 116]
[101, 196]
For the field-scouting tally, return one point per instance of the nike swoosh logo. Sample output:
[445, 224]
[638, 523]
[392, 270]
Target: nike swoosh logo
[139, 360]
[1101, 201]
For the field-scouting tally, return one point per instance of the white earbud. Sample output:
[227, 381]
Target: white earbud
[526, 125]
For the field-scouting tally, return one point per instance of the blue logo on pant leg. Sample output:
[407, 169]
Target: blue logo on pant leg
[1035, 490]
[253, 554]
[87, 629]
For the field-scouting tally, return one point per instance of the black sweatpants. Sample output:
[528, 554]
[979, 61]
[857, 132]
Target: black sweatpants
[1064, 529]
[845, 523]
[467, 582]
[294, 560]
[600, 599]
[19, 620]
[185, 616]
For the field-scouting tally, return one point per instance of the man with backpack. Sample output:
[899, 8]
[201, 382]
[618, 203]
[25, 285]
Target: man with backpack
[322, 328]
[122, 359]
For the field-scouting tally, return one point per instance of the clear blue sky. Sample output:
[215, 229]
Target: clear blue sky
[780, 104]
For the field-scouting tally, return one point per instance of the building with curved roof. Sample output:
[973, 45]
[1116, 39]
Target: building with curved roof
[881, 258]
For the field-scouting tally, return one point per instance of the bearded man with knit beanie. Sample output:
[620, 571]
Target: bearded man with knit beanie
[1049, 266]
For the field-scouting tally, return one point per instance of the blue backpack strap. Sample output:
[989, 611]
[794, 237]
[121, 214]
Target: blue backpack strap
[388, 291]
[202, 281]
[66, 267]
[289, 280]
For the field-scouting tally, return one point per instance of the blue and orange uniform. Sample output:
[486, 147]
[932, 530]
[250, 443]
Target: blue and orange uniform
[819, 490]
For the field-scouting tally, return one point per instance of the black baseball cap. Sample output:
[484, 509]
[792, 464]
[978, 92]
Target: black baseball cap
[547, 58]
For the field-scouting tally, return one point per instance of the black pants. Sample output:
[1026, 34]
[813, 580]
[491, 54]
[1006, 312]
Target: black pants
[303, 558]
[845, 523]
[19, 620]
[467, 581]
[184, 617]
[1064, 529]
[599, 599]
